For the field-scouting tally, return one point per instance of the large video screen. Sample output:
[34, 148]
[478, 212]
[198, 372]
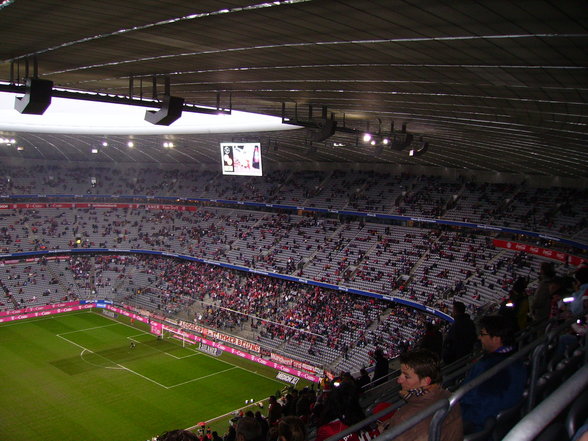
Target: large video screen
[241, 158]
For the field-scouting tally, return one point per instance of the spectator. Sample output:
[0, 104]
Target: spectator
[381, 367]
[420, 381]
[177, 435]
[248, 429]
[503, 390]
[520, 299]
[289, 407]
[461, 336]
[340, 411]
[231, 434]
[274, 411]
[262, 423]
[291, 428]
[432, 339]
[578, 308]
[559, 288]
[542, 298]
[580, 302]
[363, 380]
[303, 405]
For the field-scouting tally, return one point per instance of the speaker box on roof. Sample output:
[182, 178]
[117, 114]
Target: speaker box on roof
[37, 97]
[400, 141]
[326, 129]
[171, 110]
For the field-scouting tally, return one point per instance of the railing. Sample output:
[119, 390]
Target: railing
[542, 415]
[441, 408]
[539, 345]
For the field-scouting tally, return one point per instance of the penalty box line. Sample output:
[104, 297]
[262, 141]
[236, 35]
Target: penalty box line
[133, 339]
[197, 353]
[122, 367]
[84, 349]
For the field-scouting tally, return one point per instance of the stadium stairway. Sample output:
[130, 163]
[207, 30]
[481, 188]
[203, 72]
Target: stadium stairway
[60, 281]
[356, 352]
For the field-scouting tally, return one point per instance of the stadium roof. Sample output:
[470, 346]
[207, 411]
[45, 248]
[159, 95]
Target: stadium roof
[498, 86]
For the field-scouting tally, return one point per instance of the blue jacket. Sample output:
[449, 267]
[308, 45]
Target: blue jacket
[500, 392]
[577, 305]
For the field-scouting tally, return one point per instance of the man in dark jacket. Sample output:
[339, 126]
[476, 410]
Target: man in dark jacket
[461, 337]
[503, 390]
[381, 367]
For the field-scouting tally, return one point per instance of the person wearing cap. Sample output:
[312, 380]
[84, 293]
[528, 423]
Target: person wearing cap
[420, 381]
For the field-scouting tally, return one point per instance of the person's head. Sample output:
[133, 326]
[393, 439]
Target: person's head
[419, 369]
[495, 331]
[518, 288]
[248, 429]
[291, 428]
[458, 308]
[430, 327]
[547, 270]
[178, 435]
[347, 377]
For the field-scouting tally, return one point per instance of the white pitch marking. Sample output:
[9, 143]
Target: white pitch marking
[202, 378]
[87, 329]
[120, 366]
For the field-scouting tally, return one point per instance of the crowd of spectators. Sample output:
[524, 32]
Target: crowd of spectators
[430, 266]
[433, 266]
[424, 265]
[554, 210]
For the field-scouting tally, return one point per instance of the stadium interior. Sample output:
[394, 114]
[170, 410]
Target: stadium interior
[474, 174]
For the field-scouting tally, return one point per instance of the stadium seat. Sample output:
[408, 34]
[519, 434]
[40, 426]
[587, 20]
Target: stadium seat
[506, 420]
[484, 434]
[577, 415]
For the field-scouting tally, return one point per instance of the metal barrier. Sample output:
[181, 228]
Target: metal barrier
[542, 415]
[392, 433]
[439, 410]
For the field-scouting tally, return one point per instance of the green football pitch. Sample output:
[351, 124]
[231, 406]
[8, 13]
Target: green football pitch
[76, 376]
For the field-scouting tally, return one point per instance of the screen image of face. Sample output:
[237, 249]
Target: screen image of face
[242, 159]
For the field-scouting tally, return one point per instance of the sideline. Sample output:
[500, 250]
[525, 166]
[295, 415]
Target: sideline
[39, 319]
